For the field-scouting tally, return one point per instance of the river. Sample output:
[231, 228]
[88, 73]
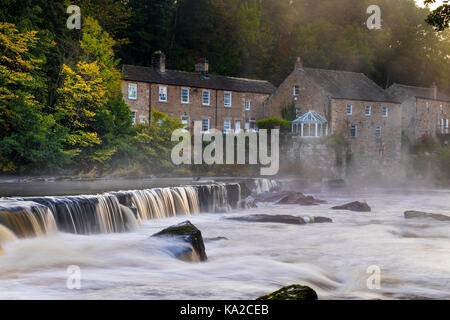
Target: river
[257, 258]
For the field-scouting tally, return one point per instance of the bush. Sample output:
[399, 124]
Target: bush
[274, 123]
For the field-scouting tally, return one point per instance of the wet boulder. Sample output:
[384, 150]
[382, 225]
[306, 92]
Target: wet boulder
[292, 292]
[354, 206]
[411, 214]
[216, 239]
[287, 219]
[322, 220]
[289, 197]
[189, 233]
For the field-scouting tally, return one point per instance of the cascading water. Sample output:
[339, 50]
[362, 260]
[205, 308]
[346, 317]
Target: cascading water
[26, 218]
[115, 211]
[265, 185]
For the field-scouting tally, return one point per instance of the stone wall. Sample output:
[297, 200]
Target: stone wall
[315, 159]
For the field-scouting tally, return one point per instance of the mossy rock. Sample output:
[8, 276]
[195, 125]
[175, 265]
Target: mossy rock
[292, 292]
[190, 234]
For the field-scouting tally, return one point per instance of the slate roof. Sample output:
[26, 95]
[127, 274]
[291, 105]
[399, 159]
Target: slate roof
[348, 85]
[193, 79]
[403, 92]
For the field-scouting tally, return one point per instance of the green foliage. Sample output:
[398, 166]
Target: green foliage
[440, 17]
[274, 123]
[289, 112]
[426, 143]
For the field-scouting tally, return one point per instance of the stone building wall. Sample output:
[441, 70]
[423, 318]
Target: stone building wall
[148, 97]
[311, 97]
[423, 117]
[369, 153]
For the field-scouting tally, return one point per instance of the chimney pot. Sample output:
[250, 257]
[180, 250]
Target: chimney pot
[159, 61]
[298, 63]
[202, 66]
[434, 90]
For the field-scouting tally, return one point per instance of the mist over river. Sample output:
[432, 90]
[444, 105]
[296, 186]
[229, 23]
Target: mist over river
[257, 258]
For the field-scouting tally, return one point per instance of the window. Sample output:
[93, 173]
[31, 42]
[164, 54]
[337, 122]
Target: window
[237, 125]
[444, 126]
[442, 108]
[162, 94]
[297, 111]
[184, 95]
[226, 126]
[185, 122]
[142, 119]
[354, 131]
[247, 105]
[132, 91]
[385, 112]
[206, 95]
[247, 126]
[296, 91]
[227, 99]
[349, 109]
[378, 132]
[368, 111]
[428, 107]
[205, 124]
[133, 117]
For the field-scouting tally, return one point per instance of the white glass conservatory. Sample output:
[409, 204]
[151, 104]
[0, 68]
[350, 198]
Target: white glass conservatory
[311, 124]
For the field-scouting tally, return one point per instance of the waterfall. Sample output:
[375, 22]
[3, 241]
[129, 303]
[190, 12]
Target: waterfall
[265, 185]
[114, 211]
[26, 218]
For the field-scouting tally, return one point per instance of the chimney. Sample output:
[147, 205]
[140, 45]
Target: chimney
[159, 61]
[298, 63]
[434, 90]
[202, 67]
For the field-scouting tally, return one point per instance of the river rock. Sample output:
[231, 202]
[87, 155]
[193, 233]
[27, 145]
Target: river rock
[190, 234]
[292, 292]
[281, 218]
[354, 206]
[411, 214]
[293, 197]
[216, 239]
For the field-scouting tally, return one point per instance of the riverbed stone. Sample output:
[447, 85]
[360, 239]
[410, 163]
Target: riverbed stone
[288, 197]
[287, 219]
[411, 214]
[354, 206]
[291, 292]
[322, 220]
[189, 233]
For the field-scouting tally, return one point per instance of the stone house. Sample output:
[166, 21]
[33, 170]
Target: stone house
[425, 111]
[225, 103]
[367, 116]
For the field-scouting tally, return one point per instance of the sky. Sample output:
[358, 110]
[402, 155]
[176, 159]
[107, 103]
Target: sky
[433, 6]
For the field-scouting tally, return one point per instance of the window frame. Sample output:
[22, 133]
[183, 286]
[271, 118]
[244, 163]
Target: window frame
[135, 86]
[378, 131]
[383, 114]
[203, 97]
[224, 99]
[134, 117]
[181, 96]
[245, 105]
[370, 111]
[187, 124]
[347, 108]
[209, 125]
[295, 91]
[229, 130]
[354, 128]
[159, 93]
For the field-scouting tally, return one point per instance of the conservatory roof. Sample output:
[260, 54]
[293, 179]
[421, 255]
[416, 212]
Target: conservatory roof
[310, 117]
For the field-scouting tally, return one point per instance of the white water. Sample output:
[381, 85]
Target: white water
[414, 255]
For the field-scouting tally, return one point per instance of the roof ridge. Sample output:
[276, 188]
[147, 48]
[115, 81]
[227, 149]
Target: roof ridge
[334, 70]
[196, 73]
